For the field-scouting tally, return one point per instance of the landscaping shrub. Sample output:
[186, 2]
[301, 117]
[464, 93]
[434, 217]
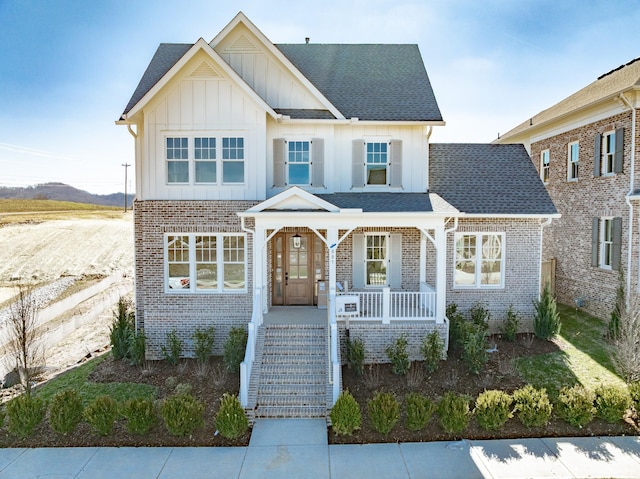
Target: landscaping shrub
[493, 409]
[345, 415]
[203, 339]
[419, 411]
[183, 388]
[532, 406]
[619, 308]
[140, 414]
[182, 414]
[137, 348]
[453, 411]
[634, 394]
[3, 414]
[432, 349]
[25, 413]
[457, 325]
[173, 349]
[611, 403]
[101, 414]
[546, 321]
[575, 405]
[384, 411]
[234, 349]
[121, 329]
[474, 349]
[65, 411]
[480, 316]
[355, 355]
[399, 356]
[231, 420]
[510, 325]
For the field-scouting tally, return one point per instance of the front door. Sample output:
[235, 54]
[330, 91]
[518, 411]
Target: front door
[298, 265]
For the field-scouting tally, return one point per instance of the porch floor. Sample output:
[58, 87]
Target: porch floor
[296, 315]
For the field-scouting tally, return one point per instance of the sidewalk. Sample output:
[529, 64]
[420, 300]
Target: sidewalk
[299, 449]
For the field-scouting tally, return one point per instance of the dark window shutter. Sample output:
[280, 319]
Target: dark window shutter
[279, 152]
[597, 153]
[357, 164]
[358, 261]
[396, 261]
[617, 243]
[317, 157]
[618, 158]
[594, 241]
[396, 163]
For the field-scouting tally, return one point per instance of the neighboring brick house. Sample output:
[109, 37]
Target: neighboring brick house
[585, 148]
[267, 172]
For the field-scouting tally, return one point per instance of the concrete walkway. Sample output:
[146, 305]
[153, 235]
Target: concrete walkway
[298, 449]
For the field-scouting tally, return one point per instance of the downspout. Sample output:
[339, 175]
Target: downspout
[543, 225]
[427, 133]
[631, 191]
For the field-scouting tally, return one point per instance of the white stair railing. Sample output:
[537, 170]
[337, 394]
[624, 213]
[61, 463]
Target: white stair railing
[250, 353]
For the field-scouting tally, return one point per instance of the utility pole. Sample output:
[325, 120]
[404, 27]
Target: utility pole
[126, 166]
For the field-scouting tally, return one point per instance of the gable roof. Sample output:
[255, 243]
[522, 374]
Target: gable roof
[485, 179]
[369, 81]
[607, 86]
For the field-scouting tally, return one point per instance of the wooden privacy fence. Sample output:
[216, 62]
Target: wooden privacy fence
[549, 275]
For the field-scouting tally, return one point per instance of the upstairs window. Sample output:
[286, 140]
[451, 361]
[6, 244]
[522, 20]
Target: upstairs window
[573, 157]
[479, 260]
[233, 160]
[177, 156]
[608, 153]
[377, 162]
[544, 166]
[205, 159]
[299, 162]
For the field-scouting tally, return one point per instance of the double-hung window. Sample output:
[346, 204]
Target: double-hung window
[544, 166]
[232, 160]
[205, 263]
[376, 259]
[205, 160]
[573, 157]
[606, 242]
[377, 163]
[177, 156]
[479, 260]
[608, 152]
[299, 163]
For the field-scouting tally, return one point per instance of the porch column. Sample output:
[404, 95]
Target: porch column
[332, 243]
[259, 259]
[423, 257]
[441, 273]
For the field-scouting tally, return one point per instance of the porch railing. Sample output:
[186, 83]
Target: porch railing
[387, 305]
[250, 353]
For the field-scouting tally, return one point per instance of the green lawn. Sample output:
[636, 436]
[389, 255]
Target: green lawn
[583, 357]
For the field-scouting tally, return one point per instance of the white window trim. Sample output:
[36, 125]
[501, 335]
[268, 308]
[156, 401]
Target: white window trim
[387, 259]
[545, 169]
[192, 265]
[478, 271]
[191, 157]
[606, 155]
[570, 163]
[603, 244]
[386, 141]
[309, 163]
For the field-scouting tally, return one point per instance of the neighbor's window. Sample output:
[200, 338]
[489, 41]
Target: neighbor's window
[608, 153]
[211, 263]
[544, 166]
[479, 260]
[573, 156]
[377, 161]
[177, 156]
[606, 242]
[233, 160]
[299, 162]
[376, 259]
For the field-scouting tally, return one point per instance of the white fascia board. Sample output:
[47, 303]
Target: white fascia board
[511, 216]
[242, 18]
[219, 61]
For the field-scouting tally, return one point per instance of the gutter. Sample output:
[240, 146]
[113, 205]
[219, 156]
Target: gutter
[631, 191]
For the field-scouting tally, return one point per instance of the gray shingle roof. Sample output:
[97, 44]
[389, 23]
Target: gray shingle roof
[302, 114]
[381, 202]
[487, 179]
[368, 81]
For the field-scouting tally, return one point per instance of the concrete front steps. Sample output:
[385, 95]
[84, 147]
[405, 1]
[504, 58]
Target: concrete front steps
[290, 380]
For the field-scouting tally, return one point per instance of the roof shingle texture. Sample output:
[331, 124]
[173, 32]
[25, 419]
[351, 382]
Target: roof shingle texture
[487, 179]
[381, 202]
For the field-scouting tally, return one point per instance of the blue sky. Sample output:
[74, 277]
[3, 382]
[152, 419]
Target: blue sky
[69, 67]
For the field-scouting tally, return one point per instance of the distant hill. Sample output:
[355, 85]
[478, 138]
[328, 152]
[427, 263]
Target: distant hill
[62, 192]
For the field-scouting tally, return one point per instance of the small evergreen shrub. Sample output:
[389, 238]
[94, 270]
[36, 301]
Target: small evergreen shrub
[3, 414]
[171, 382]
[137, 348]
[532, 406]
[355, 355]
[474, 349]
[453, 411]
[122, 328]
[183, 388]
[480, 316]
[611, 403]
[457, 326]
[25, 413]
[203, 339]
[575, 405]
[419, 411]
[384, 411]
[182, 414]
[234, 349]
[399, 356]
[345, 415]
[140, 414]
[619, 308]
[493, 409]
[101, 414]
[432, 350]
[65, 411]
[231, 420]
[510, 326]
[634, 394]
[546, 320]
[173, 349]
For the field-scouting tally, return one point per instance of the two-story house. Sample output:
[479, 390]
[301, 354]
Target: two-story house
[584, 148]
[272, 180]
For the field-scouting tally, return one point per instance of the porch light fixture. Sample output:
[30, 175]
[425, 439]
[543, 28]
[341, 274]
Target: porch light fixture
[296, 241]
